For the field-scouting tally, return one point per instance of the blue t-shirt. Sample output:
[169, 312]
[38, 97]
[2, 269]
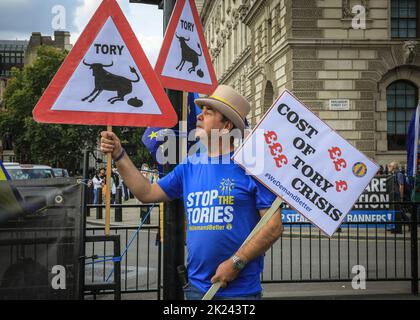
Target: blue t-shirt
[221, 204]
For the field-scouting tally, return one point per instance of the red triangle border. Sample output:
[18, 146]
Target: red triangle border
[42, 111]
[181, 84]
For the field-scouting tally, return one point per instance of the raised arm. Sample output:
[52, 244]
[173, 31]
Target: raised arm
[135, 181]
[255, 247]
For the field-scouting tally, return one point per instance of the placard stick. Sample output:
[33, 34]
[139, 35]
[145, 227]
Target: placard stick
[263, 221]
[108, 191]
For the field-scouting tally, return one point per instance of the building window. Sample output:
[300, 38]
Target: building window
[402, 97]
[268, 96]
[404, 18]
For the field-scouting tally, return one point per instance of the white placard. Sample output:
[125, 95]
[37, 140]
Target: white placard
[304, 161]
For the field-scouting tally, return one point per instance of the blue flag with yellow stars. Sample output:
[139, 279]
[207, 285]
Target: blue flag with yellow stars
[151, 135]
[150, 140]
[413, 143]
[193, 113]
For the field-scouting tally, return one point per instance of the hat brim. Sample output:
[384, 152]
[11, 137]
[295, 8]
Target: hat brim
[224, 109]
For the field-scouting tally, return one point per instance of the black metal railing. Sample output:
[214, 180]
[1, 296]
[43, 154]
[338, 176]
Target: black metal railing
[114, 286]
[304, 254]
[140, 258]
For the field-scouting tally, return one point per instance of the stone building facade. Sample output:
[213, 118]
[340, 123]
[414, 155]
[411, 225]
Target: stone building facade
[61, 41]
[361, 52]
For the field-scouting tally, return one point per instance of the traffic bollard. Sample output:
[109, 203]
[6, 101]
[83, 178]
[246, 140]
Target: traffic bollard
[118, 211]
[99, 209]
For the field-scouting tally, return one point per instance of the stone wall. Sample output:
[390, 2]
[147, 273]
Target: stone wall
[61, 41]
[311, 48]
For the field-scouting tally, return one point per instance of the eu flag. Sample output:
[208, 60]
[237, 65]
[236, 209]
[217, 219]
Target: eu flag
[193, 113]
[150, 140]
[152, 136]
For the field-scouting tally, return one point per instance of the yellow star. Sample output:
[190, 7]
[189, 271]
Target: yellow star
[153, 135]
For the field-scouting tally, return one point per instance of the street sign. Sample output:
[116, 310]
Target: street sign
[306, 163]
[184, 62]
[106, 79]
[339, 104]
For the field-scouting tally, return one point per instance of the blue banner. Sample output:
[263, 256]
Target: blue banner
[372, 207]
[370, 217]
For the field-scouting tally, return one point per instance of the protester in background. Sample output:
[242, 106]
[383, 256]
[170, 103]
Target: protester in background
[155, 176]
[104, 187]
[115, 183]
[97, 184]
[145, 170]
[126, 192]
[116, 175]
[397, 195]
[113, 189]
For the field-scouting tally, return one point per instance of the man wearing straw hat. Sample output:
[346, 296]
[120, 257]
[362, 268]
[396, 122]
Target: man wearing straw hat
[223, 204]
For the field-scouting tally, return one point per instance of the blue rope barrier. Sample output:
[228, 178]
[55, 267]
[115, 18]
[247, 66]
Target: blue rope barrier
[119, 259]
[131, 241]
[100, 261]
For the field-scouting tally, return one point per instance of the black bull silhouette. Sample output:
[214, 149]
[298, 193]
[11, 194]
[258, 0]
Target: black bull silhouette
[188, 54]
[107, 81]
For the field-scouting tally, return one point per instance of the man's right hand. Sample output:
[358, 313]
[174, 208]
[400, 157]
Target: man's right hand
[110, 144]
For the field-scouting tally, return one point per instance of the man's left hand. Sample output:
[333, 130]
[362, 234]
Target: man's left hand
[225, 273]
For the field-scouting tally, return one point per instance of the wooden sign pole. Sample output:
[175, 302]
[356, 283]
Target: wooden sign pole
[263, 221]
[108, 191]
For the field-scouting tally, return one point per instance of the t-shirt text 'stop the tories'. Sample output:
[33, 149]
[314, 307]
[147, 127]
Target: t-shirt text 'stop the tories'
[221, 203]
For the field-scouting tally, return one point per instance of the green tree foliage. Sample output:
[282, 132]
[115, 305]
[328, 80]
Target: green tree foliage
[55, 145]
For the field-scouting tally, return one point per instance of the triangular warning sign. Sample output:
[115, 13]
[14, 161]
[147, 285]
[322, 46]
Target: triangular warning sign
[106, 79]
[184, 62]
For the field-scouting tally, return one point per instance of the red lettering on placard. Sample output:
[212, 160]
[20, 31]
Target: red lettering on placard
[281, 160]
[341, 186]
[335, 153]
[335, 156]
[270, 137]
[276, 149]
[340, 164]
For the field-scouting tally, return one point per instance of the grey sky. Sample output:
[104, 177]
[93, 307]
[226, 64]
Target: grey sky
[19, 18]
